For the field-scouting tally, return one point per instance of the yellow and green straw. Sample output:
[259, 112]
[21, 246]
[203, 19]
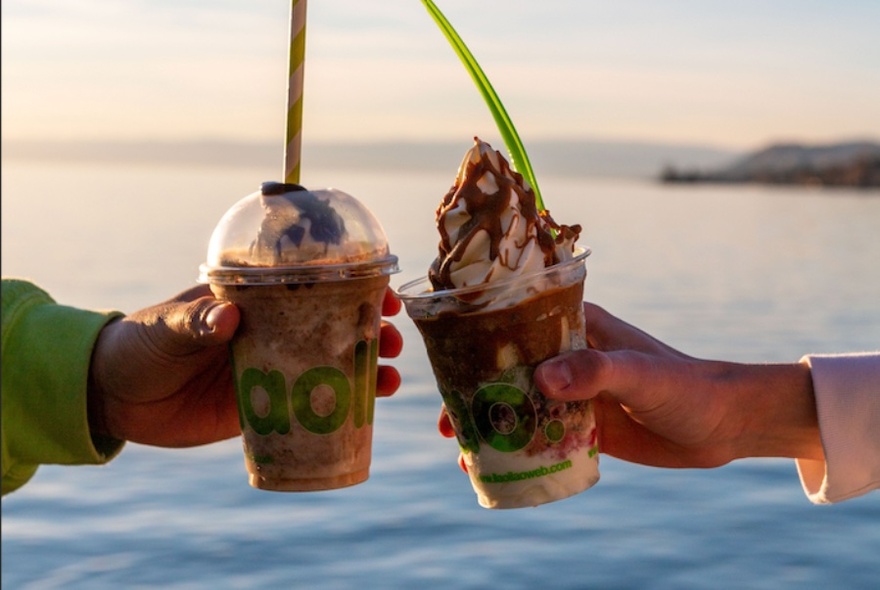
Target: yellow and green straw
[296, 67]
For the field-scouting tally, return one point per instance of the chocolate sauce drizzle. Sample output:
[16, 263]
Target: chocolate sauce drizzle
[485, 210]
[326, 225]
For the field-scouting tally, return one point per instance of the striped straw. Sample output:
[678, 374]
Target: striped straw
[296, 63]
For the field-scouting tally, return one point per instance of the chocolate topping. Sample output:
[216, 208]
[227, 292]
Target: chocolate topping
[325, 225]
[272, 188]
[485, 210]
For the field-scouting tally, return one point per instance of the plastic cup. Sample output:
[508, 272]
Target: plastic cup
[308, 271]
[484, 343]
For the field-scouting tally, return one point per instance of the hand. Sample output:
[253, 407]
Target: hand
[161, 376]
[657, 406]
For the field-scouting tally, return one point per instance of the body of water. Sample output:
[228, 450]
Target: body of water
[741, 273]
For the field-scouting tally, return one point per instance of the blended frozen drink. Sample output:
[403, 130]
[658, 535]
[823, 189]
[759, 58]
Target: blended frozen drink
[308, 271]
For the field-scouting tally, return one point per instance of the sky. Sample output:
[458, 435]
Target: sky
[714, 72]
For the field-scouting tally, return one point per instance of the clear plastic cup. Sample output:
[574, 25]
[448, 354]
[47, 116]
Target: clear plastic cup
[308, 271]
[484, 343]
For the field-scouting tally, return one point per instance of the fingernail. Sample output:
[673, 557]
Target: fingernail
[213, 316]
[556, 375]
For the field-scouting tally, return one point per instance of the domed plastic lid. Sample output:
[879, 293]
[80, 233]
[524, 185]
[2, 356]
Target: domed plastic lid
[286, 234]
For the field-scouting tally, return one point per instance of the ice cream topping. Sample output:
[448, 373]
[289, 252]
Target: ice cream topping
[284, 233]
[490, 227]
[297, 216]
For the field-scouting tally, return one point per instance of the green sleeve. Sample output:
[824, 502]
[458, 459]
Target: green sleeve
[46, 351]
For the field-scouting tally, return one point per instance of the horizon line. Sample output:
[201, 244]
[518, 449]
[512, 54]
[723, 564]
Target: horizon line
[567, 156]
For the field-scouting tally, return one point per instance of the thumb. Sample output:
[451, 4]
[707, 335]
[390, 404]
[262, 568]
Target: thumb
[216, 320]
[200, 323]
[584, 374]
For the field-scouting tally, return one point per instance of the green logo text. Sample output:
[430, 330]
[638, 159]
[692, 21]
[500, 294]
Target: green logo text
[278, 406]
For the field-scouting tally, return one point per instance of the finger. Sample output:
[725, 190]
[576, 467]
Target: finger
[216, 321]
[180, 328]
[390, 341]
[444, 424]
[387, 381]
[390, 304]
[575, 375]
[584, 374]
[640, 382]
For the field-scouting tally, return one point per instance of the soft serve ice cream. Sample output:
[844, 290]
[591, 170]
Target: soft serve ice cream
[490, 227]
[504, 294]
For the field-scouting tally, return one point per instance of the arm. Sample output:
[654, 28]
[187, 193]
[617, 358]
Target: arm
[44, 409]
[659, 407]
[78, 383]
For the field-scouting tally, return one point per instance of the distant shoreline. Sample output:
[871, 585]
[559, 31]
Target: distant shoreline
[846, 164]
[851, 164]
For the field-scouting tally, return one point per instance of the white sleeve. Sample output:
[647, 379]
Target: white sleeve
[847, 390]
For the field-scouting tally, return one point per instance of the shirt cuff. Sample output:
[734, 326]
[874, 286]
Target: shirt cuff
[45, 383]
[847, 392]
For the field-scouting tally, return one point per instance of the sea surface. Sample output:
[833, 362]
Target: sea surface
[742, 273]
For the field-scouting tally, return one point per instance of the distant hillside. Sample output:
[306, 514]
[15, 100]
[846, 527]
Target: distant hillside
[853, 164]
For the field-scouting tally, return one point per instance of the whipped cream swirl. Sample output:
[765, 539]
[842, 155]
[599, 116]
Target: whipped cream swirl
[490, 228]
